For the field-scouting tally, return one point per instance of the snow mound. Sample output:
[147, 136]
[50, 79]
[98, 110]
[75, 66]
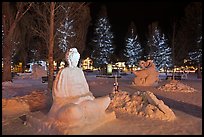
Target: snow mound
[176, 86]
[140, 103]
[37, 100]
[7, 83]
[17, 85]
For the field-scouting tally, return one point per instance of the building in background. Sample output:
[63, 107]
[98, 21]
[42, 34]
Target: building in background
[87, 64]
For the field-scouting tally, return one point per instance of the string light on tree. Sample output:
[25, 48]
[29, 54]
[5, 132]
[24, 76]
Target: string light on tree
[133, 48]
[65, 32]
[196, 55]
[102, 42]
[161, 53]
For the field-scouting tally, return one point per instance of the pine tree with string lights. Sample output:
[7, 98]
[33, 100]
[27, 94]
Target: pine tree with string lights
[133, 48]
[196, 56]
[102, 41]
[161, 53]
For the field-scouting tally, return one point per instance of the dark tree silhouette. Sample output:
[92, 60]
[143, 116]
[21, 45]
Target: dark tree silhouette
[12, 13]
[189, 34]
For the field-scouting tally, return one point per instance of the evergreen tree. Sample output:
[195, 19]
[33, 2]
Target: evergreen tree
[133, 48]
[189, 32]
[196, 56]
[160, 52]
[102, 41]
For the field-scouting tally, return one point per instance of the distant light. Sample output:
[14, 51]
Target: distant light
[109, 69]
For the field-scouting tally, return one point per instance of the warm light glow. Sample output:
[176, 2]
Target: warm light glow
[62, 63]
[138, 68]
[87, 64]
[120, 64]
[109, 69]
[185, 60]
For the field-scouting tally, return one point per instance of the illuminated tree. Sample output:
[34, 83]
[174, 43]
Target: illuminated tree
[196, 56]
[102, 42]
[133, 48]
[66, 31]
[46, 25]
[161, 53]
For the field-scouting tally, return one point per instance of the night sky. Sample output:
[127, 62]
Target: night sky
[120, 15]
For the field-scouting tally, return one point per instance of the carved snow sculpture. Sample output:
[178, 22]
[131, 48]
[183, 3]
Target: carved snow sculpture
[38, 71]
[73, 104]
[142, 104]
[148, 76]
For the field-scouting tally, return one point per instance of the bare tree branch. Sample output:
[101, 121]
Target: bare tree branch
[24, 11]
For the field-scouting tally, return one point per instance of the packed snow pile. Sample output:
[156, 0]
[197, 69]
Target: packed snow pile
[14, 106]
[176, 86]
[140, 103]
[15, 85]
[37, 100]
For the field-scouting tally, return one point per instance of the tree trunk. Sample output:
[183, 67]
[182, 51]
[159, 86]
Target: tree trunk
[7, 51]
[51, 46]
[9, 22]
[7, 61]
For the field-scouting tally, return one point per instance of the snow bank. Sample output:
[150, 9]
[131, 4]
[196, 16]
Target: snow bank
[37, 100]
[13, 85]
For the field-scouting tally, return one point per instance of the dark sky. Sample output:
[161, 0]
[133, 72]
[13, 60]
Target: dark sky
[120, 14]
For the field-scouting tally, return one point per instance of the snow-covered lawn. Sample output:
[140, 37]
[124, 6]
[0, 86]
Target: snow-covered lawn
[186, 106]
[21, 87]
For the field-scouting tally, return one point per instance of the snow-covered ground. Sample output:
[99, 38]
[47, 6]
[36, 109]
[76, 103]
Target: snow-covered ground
[187, 106]
[25, 84]
[21, 87]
